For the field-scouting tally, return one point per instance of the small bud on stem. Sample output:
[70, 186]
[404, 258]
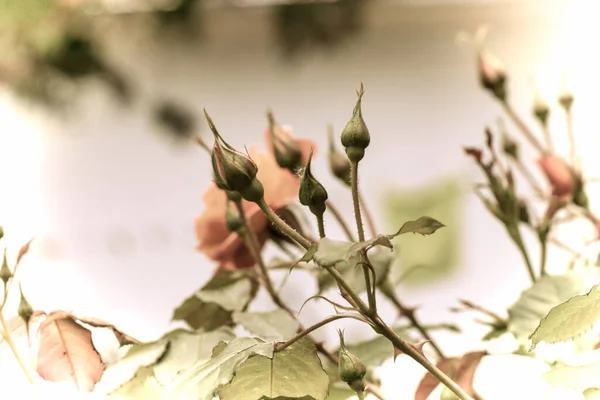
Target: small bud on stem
[287, 152]
[351, 369]
[338, 163]
[312, 193]
[355, 136]
[5, 272]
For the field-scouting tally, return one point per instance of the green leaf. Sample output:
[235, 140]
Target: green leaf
[202, 380]
[547, 293]
[162, 359]
[423, 226]
[592, 394]
[577, 377]
[434, 258]
[270, 325]
[142, 386]
[381, 260]
[569, 319]
[211, 306]
[374, 352]
[330, 252]
[294, 372]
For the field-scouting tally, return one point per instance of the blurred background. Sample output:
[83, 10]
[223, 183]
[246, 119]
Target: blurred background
[99, 98]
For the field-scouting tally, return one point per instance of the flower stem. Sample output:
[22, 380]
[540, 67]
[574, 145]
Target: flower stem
[410, 314]
[306, 331]
[543, 256]
[13, 347]
[368, 216]
[321, 225]
[340, 219]
[285, 228]
[514, 233]
[421, 359]
[522, 127]
[356, 200]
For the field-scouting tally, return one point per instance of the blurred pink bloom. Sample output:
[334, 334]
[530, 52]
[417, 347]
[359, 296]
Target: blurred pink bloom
[558, 174]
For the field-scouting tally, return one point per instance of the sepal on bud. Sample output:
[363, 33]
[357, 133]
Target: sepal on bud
[492, 74]
[285, 149]
[338, 163]
[5, 272]
[355, 136]
[25, 310]
[312, 193]
[351, 369]
[233, 170]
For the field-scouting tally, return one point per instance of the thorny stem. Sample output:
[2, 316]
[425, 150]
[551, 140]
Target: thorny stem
[356, 200]
[410, 314]
[340, 219]
[372, 317]
[368, 216]
[321, 225]
[254, 249]
[285, 228]
[522, 127]
[420, 358]
[306, 331]
[475, 307]
[361, 233]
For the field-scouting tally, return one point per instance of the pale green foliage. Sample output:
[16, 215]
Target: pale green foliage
[423, 226]
[592, 394]
[548, 292]
[437, 256]
[569, 319]
[203, 379]
[270, 325]
[577, 377]
[294, 372]
[212, 305]
[147, 367]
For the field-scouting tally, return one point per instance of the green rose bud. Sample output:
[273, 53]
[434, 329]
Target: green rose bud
[25, 311]
[287, 152]
[355, 136]
[5, 272]
[1, 232]
[351, 369]
[510, 147]
[338, 163]
[312, 194]
[232, 169]
[541, 110]
[492, 75]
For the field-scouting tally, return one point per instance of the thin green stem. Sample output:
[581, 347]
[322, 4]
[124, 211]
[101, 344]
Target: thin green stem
[285, 228]
[356, 201]
[321, 225]
[410, 315]
[306, 331]
[368, 216]
[361, 396]
[548, 138]
[340, 219]
[573, 150]
[514, 233]
[522, 127]
[13, 347]
[543, 256]
[421, 359]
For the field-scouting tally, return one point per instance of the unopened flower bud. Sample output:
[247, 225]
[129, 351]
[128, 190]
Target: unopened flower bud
[25, 311]
[5, 272]
[492, 75]
[355, 136]
[338, 163]
[510, 147]
[312, 193]
[232, 218]
[523, 213]
[541, 110]
[285, 149]
[1, 232]
[579, 197]
[351, 369]
[559, 175]
[232, 169]
[566, 100]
